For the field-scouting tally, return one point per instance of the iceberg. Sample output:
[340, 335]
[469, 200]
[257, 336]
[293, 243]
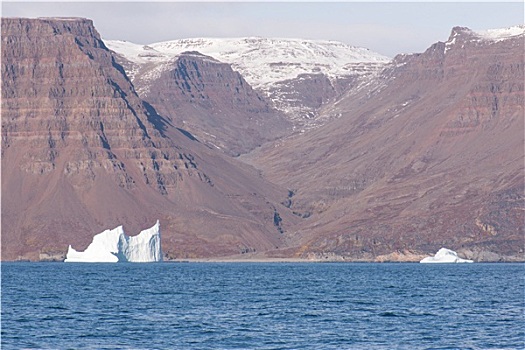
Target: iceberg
[445, 255]
[115, 246]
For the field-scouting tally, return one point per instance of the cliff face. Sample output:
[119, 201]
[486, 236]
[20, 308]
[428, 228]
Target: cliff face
[428, 155]
[81, 152]
[216, 104]
[62, 90]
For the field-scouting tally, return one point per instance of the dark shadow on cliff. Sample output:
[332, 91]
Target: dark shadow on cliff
[159, 122]
[188, 134]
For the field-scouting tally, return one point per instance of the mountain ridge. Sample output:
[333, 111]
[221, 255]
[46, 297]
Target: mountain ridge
[270, 51]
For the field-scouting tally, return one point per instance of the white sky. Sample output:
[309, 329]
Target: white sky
[385, 27]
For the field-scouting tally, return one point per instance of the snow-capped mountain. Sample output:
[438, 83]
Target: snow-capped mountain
[501, 33]
[276, 67]
[482, 37]
[141, 58]
[265, 61]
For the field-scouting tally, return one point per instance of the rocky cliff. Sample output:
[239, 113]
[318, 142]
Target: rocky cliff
[216, 104]
[82, 152]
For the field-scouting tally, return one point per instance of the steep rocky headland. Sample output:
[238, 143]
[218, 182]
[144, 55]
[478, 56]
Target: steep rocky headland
[82, 152]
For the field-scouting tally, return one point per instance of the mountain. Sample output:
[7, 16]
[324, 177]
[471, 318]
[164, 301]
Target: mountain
[391, 160]
[213, 102]
[81, 152]
[428, 154]
[298, 76]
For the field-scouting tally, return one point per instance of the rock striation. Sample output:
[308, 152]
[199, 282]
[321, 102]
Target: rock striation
[81, 151]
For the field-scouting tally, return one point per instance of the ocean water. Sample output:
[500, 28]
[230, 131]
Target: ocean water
[262, 306]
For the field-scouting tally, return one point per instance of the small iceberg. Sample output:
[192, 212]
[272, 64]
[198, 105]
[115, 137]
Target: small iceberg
[444, 255]
[115, 246]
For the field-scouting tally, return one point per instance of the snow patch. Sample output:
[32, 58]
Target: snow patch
[134, 52]
[494, 35]
[115, 246]
[449, 44]
[445, 255]
[502, 33]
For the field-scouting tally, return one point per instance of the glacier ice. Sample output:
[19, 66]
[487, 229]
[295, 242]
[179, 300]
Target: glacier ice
[115, 246]
[445, 255]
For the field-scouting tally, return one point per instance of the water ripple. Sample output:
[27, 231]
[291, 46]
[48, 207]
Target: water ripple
[262, 306]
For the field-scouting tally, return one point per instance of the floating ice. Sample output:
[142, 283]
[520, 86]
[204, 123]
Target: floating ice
[115, 246]
[445, 255]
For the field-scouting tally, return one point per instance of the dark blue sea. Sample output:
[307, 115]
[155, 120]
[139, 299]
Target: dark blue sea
[262, 306]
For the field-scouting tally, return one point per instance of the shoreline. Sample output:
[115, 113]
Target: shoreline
[265, 261]
[261, 258]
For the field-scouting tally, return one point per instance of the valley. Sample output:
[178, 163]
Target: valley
[260, 148]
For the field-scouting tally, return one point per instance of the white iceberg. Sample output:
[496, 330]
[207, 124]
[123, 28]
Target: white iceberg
[445, 255]
[115, 246]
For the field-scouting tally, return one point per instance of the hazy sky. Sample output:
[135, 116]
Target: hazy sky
[385, 27]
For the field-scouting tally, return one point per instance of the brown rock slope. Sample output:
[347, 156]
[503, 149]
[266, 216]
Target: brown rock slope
[212, 101]
[82, 153]
[429, 155]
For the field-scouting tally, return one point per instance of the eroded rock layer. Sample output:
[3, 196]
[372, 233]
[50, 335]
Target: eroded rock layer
[81, 152]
